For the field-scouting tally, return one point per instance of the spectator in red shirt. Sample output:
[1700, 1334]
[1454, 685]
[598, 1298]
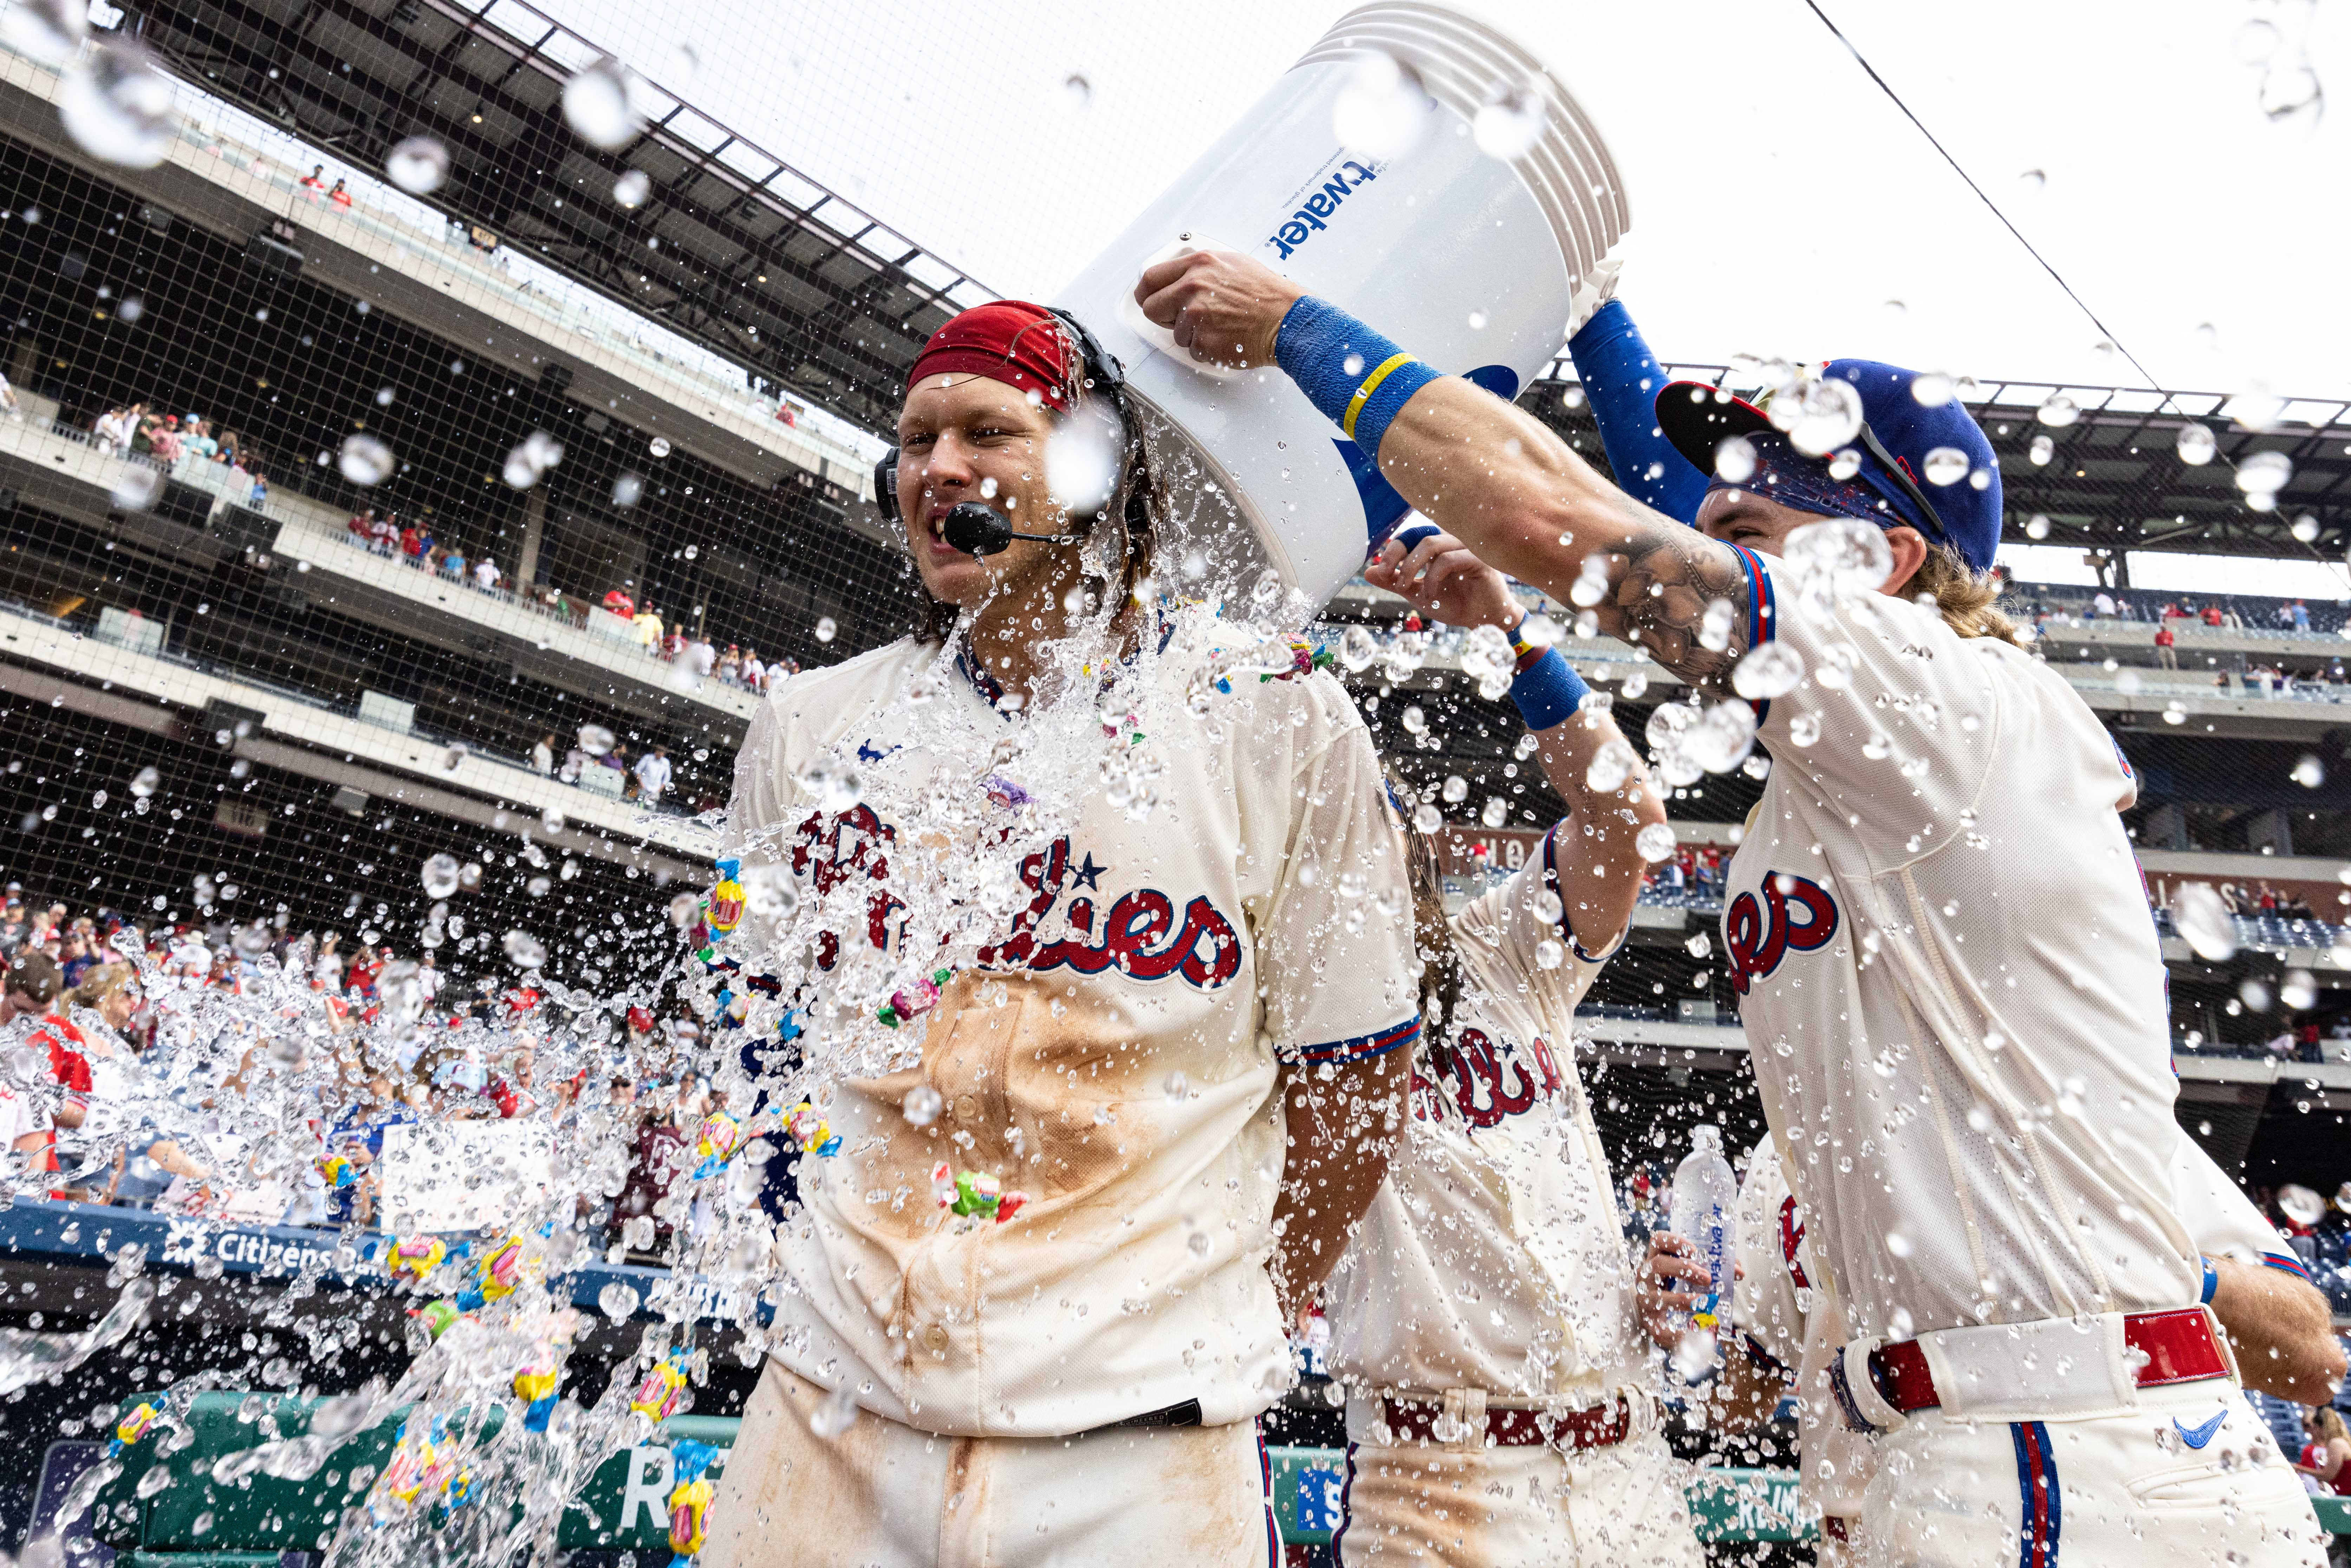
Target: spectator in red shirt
[2211, 615]
[410, 543]
[2328, 1456]
[33, 986]
[621, 602]
[2165, 646]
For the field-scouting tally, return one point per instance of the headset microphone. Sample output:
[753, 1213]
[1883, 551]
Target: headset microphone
[976, 529]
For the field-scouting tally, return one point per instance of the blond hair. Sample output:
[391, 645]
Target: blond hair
[1967, 599]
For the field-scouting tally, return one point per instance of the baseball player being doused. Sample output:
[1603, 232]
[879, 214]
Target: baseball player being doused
[1951, 988]
[1160, 1077]
[1483, 1320]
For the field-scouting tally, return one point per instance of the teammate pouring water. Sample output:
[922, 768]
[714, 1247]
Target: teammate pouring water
[1952, 990]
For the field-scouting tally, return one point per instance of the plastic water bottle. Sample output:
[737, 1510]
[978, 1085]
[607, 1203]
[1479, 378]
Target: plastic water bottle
[1705, 1203]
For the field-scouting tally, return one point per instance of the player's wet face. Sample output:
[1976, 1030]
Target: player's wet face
[1742, 517]
[968, 438]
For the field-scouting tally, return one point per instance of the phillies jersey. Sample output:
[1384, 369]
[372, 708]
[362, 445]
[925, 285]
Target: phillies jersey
[1112, 1053]
[1494, 1256]
[1789, 1322]
[1949, 979]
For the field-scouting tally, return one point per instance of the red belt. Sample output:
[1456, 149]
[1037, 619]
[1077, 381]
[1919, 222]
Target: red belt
[1596, 1427]
[2177, 1347]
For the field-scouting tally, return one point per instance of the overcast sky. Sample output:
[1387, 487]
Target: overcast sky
[1779, 202]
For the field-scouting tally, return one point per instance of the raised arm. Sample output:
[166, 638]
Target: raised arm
[1600, 862]
[2280, 1329]
[1494, 475]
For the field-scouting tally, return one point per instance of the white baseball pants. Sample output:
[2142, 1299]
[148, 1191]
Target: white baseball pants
[2188, 1478]
[1430, 1506]
[883, 1495]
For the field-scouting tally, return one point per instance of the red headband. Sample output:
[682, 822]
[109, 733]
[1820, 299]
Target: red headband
[1010, 340]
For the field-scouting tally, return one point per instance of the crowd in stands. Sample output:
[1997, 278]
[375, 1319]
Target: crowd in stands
[137, 430]
[414, 544]
[140, 1036]
[2039, 601]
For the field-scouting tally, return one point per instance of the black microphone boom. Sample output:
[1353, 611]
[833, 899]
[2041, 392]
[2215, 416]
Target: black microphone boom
[976, 529]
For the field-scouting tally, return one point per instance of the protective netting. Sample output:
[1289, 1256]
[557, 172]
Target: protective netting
[404, 515]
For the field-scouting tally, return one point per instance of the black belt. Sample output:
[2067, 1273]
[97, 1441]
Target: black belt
[1188, 1414]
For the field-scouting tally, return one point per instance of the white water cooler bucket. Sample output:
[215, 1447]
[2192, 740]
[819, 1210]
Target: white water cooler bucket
[1469, 261]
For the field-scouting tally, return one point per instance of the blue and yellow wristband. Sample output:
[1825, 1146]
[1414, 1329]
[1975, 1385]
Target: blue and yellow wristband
[1356, 376]
[1547, 690]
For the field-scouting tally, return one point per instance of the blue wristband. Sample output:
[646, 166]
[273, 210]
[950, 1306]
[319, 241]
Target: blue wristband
[1317, 342]
[1548, 692]
[2211, 1281]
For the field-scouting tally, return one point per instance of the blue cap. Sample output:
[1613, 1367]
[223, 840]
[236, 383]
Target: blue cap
[1963, 511]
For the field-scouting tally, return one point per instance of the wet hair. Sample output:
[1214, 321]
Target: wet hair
[1966, 597]
[1139, 489]
[1440, 979]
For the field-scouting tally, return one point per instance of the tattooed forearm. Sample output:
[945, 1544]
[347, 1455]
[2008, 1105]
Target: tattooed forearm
[1662, 581]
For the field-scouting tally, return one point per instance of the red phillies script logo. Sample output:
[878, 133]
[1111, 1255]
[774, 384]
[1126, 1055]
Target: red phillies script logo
[832, 851]
[1486, 1082]
[1794, 912]
[1139, 934]
[1791, 1237]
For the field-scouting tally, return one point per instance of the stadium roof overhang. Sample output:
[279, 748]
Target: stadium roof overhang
[2112, 478]
[731, 247]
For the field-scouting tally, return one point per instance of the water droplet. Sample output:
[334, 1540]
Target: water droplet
[1382, 111]
[2203, 921]
[1477, 321]
[628, 490]
[2298, 990]
[835, 785]
[1655, 842]
[826, 629]
[1945, 466]
[526, 951]
[1427, 818]
[2308, 771]
[658, 446]
[2256, 41]
[2057, 410]
[2197, 444]
[1357, 648]
[595, 739]
[1415, 721]
[837, 1415]
[417, 165]
[1177, 1086]
[1818, 415]
[1842, 556]
[117, 106]
[923, 1104]
[618, 1299]
[2036, 526]
[1611, 765]
[136, 487]
[631, 188]
[1931, 389]
[2262, 474]
[1082, 459]
[1549, 954]
[441, 876]
[145, 782]
[1510, 123]
[1734, 463]
[1898, 1244]
[530, 461]
[2033, 181]
[596, 106]
[1768, 670]
[47, 30]
[1455, 790]
[2290, 93]
[1078, 90]
[1496, 812]
[2305, 529]
[365, 460]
